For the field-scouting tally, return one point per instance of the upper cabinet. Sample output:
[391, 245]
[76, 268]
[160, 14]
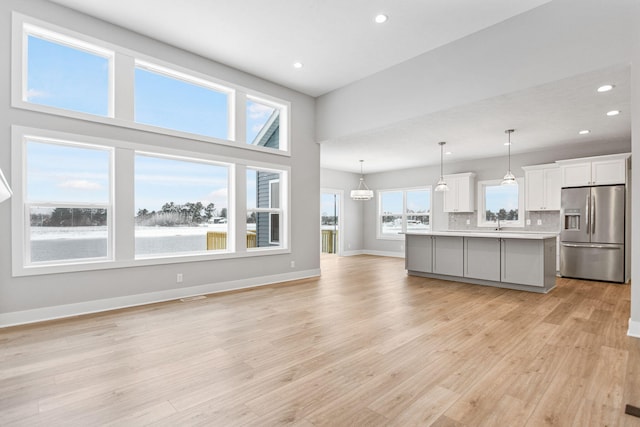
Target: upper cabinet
[602, 170]
[460, 197]
[542, 187]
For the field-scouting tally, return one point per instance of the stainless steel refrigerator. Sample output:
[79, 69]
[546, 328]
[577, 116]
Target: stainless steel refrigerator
[592, 235]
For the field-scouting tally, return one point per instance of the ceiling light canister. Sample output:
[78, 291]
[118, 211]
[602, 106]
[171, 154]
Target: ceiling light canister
[381, 18]
[297, 65]
[584, 132]
[613, 113]
[605, 88]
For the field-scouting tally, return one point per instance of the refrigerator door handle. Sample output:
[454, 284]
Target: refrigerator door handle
[587, 211]
[593, 214]
[569, 245]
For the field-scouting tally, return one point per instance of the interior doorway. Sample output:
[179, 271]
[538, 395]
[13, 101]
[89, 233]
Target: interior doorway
[331, 221]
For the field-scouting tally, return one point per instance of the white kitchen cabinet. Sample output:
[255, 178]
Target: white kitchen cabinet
[542, 187]
[460, 197]
[602, 170]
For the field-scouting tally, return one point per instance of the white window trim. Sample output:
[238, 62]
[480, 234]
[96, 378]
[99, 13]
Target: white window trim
[481, 205]
[273, 181]
[400, 235]
[283, 210]
[123, 237]
[122, 96]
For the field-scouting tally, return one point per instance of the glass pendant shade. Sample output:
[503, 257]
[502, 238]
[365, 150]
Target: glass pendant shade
[442, 184]
[5, 190]
[363, 192]
[509, 179]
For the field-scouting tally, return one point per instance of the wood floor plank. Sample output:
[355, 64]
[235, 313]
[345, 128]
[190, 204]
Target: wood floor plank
[364, 344]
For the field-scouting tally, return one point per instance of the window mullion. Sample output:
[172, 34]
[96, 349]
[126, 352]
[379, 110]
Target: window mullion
[123, 205]
[240, 209]
[123, 87]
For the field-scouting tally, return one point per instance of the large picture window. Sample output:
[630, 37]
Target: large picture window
[62, 72]
[182, 103]
[402, 211]
[265, 213]
[503, 203]
[181, 206]
[66, 73]
[68, 202]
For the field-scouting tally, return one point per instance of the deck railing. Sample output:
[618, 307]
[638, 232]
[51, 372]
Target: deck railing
[217, 240]
[329, 241]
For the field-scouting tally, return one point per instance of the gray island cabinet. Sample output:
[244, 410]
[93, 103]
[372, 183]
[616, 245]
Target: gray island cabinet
[522, 261]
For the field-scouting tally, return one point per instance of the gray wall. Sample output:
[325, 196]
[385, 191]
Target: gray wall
[486, 169]
[33, 292]
[579, 36]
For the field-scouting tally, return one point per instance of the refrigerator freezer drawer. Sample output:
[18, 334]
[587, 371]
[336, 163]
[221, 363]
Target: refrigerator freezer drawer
[592, 261]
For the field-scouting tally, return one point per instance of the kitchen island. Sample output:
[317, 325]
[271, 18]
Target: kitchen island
[522, 261]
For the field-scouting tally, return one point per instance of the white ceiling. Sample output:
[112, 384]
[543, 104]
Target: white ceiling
[336, 40]
[543, 117]
[339, 43]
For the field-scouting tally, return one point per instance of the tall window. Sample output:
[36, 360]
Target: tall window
[265, 213]
[66, 73]
[179, 102]
[68, 202]
[405, 210]
[263, 123]
[181, 206]
[500, 202]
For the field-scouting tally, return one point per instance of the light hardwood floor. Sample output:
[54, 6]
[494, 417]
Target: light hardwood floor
[363, 345]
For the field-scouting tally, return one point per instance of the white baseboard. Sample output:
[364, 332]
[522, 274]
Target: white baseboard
[384, 253]
[351, 253]
[95, 306]
[634, 329]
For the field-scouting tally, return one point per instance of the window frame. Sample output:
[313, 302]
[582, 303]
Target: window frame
[123, 187]
[283, 210]
[230, 218]
[122, 87]
[271, 241]
[482, 222]
[400, 235]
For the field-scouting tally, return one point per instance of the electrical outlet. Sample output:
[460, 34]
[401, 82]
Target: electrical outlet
[539, 222]
[528, 222]
[179, 278]
[293, 264]
[349, 246]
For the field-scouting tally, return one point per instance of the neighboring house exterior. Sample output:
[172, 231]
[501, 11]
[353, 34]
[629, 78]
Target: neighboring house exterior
[268, 187]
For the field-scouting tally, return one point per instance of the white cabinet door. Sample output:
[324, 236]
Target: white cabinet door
[608, 172]
[552, 189]
[535, 185]
[576, 175]
[460, 198]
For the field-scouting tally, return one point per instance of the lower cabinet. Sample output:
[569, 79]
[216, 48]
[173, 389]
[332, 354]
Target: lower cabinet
[482, 258]
[523, 261]
[419, 254]
[447, 255]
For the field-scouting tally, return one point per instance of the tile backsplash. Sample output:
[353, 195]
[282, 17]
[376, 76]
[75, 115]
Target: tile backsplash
[550, 222]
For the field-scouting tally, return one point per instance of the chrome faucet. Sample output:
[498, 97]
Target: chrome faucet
[499, 227]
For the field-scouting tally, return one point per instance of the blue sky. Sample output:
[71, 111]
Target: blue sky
[72, 79]
[501, 196]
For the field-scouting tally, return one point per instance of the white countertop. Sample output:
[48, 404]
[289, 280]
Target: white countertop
[491, 234]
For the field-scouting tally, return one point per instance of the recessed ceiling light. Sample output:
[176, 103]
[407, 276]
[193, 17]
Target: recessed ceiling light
[380, 19]
[507, 143]
[613, 113]
[584, 132]
[448, 152]
[605, 88]
[297, 65]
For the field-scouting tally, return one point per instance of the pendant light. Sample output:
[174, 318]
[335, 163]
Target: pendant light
[509, 179]
[442, 184]
[363, 192]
